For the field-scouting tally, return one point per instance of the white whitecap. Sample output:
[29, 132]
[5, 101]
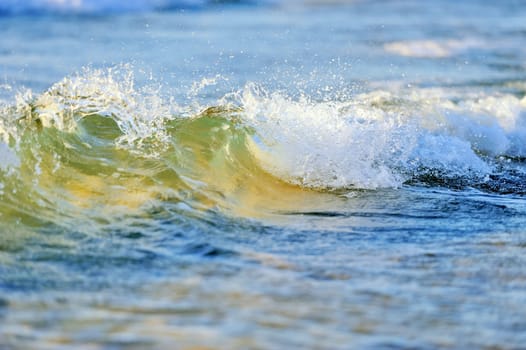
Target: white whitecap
[431, 48]
[380, 139]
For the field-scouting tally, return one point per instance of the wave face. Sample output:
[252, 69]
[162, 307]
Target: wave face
[94, 142]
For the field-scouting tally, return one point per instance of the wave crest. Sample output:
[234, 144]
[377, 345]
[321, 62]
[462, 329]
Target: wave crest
[379, 139]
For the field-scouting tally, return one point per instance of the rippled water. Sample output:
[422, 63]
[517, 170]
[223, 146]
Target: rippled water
[264, 174]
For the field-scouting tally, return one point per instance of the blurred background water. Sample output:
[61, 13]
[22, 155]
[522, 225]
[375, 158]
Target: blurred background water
[262, 174]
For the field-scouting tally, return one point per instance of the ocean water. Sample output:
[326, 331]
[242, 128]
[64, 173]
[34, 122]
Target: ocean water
[262, 174]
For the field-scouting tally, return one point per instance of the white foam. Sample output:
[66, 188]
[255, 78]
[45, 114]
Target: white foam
[315, 144]
[379, 139]
[431, 48]
[140, 113]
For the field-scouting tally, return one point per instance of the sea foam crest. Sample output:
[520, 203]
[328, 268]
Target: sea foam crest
[379, 139]
[433, 48]
[140, 113]
[321, 144]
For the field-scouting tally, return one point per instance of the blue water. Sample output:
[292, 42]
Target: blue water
[262, 174]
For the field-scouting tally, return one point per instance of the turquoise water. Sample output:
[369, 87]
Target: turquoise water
[262, 175]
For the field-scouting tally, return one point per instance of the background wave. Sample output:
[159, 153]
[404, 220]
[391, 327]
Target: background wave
[35, 7]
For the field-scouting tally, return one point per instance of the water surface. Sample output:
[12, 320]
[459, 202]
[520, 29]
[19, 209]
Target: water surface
[193, 174]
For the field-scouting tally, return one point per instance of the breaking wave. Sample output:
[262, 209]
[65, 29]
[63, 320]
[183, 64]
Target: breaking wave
[96, 144]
